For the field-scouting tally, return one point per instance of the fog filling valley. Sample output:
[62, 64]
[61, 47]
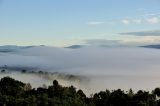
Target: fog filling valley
[88, 68]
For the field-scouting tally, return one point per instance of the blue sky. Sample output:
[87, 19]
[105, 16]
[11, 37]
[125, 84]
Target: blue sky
[67, 22]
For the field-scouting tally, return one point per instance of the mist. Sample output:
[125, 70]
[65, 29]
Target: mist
[100, 67]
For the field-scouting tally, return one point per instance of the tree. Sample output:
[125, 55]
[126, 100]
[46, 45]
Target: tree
[81, 94]
[23, 71]
[10, 86]
[156, 91]
[27, 87]
[16, 93]
[118, 98]
[55, 83]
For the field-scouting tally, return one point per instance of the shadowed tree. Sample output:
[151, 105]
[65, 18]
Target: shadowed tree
[10, 86]
[156, 91]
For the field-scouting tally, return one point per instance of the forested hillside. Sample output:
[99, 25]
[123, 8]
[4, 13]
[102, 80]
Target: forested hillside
[17, 93]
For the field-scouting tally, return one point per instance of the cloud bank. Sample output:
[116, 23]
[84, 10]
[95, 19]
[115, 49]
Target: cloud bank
[110, 68]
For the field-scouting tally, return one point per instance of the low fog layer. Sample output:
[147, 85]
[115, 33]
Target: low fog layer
[111, 68]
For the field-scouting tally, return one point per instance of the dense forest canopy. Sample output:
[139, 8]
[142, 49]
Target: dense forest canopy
[17, 93]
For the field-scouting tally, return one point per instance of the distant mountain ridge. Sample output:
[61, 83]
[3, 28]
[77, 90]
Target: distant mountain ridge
[14, 48]
[152, 46]
[75, 46]
[103, 46]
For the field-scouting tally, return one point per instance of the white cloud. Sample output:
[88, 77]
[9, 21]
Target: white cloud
[153, 20]
[138, 21]
[131, 20]
[125, 21]
[148, 18]
[95, 23]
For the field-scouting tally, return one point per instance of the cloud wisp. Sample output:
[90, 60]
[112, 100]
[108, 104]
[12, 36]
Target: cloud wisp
[125, 21]
[153, 20]
[95, 23]
[146, 18]
[104, 43]
[143, 33]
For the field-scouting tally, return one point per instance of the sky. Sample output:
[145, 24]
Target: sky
[68, 22]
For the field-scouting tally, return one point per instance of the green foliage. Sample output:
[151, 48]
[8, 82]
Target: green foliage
[16, 93]
[9, 86]
[157, 91]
